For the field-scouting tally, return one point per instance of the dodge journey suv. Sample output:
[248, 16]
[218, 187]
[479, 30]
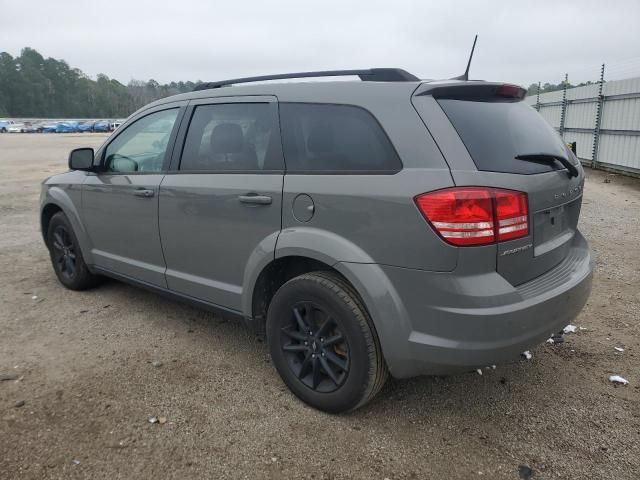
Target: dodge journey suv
[383, 226]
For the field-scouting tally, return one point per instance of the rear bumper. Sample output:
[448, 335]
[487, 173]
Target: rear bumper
[448, 322]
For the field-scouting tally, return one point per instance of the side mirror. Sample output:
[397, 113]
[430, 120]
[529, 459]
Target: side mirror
[81, 159]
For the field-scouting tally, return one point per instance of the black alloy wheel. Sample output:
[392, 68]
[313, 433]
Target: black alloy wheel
[315, 349]
[323, 343]
[66, 255]
[64, 252]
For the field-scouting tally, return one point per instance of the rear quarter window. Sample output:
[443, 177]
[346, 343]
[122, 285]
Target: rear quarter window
[496, 132]
[334, 138]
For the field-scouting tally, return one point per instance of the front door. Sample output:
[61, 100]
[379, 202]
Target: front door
[120, 202]
[222, 202]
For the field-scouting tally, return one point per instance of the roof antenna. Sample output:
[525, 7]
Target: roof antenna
[465, 75]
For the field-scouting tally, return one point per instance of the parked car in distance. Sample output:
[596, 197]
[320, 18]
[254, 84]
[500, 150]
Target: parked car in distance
[67, 127]
[390, 226]
[86, 126]
[38, 126]
[30, 127]
[48, 127]
[115, 125]
[16, 128]
[101, 126]
[21, 127]
[5, 124]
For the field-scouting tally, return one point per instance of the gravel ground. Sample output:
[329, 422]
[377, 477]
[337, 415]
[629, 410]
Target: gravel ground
[86, 383]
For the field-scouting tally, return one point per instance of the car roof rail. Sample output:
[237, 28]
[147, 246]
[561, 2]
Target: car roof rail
[368, 75]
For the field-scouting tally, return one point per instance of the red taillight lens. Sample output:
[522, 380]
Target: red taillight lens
[469, 216]
[510, 91]
[511, 214]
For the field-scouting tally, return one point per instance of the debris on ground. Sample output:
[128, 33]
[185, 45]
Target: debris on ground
[618, 380]
[18, 404]
[619, 349]
[76, 462]
[525, 472]
[527, 355]
[5, 377]
[569, 329]
[555, 339]
[162, 420]
[479, 370]
[35, 297]
[153, 419]
[156, 363]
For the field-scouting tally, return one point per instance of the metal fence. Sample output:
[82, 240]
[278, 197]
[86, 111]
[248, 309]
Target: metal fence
[603, 119]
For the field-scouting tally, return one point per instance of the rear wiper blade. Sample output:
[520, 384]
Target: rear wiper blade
[547, 158]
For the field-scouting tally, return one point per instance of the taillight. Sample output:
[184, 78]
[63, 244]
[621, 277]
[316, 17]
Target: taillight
[467, 216]
[511, 91]
[511, 214]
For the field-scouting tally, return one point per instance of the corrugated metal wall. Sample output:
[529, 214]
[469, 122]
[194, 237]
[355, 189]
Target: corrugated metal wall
[618, 138]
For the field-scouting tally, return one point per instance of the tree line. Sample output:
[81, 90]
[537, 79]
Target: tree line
[34, 86]
[552, 87]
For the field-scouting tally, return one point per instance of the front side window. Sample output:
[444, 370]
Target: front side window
[143, 145]
[232, 137]
[334, 138]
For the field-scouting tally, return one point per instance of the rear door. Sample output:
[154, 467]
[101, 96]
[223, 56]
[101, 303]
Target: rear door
[221, 202]
[491, 138]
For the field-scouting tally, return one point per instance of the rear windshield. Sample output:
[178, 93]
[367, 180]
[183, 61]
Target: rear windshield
[496, 132]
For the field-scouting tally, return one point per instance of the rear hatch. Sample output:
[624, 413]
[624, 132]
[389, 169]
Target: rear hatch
[491, 138]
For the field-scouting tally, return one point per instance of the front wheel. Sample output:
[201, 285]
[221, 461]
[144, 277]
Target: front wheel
[323, 343]
[66, 256]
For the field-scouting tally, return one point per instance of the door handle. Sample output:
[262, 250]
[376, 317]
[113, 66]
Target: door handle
[143, 192]
[255, 199]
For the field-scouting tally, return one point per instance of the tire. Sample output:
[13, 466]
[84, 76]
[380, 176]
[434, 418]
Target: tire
[66, 256]
[323, 310]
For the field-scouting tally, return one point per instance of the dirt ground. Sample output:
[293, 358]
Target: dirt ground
[85, 371]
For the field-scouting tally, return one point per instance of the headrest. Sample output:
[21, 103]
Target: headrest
[227, 138]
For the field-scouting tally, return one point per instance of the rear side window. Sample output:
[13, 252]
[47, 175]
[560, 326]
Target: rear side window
[334, 138]
[232, 137]
[496, 132]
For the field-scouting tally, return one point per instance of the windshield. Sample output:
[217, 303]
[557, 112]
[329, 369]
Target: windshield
[495, 133]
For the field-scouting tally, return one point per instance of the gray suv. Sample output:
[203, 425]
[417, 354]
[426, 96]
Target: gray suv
[384, 226]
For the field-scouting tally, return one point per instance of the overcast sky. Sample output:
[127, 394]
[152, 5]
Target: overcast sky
[520, 42]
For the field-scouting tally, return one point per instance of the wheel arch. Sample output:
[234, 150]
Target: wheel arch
[48, 211]
[272, 276]
[57, 199]
[375, 291]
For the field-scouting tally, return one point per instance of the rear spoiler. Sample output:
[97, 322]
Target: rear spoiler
[474, 91]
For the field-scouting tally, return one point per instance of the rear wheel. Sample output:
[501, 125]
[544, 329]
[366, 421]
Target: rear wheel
[66, 256]
[323, 344]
